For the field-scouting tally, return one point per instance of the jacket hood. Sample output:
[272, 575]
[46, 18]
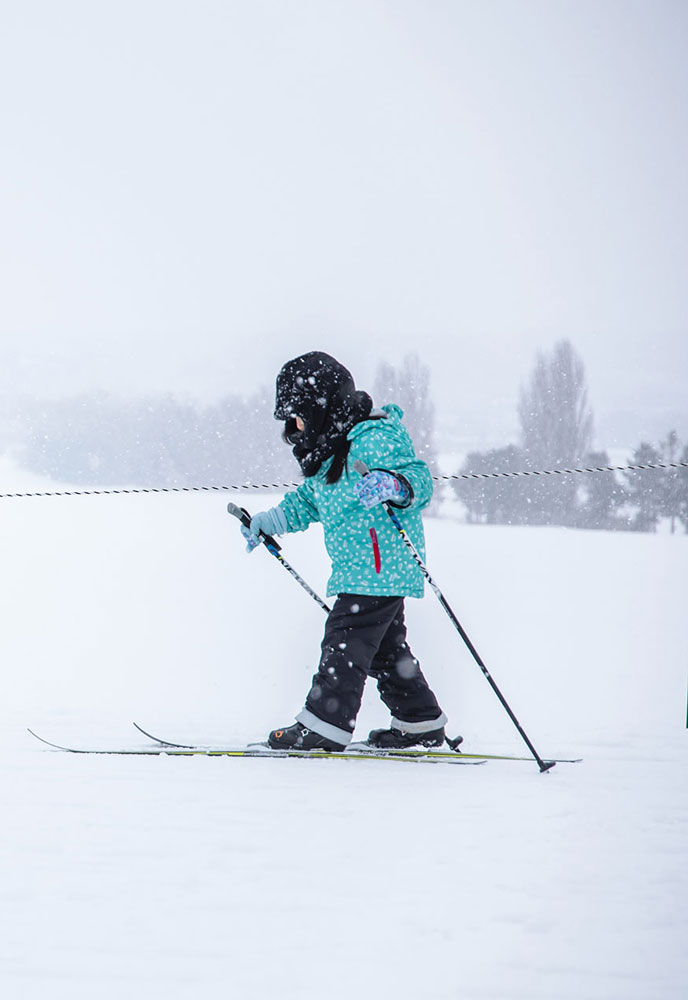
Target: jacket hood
[322, 392]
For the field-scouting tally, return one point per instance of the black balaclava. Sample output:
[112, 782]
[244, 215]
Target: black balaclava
[322, 392]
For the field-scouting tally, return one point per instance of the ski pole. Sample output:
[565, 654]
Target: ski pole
[274, 549]
[363, 470]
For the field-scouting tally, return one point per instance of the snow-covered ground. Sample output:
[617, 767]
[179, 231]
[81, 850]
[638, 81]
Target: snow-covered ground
[185, 878]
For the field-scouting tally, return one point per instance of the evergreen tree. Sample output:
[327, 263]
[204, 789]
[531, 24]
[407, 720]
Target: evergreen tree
[682, 505]
[674, 481]
[491, 500]
[603, 495]
[644, 489]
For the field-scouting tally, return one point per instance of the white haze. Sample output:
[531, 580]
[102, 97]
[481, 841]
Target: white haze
[192, 192]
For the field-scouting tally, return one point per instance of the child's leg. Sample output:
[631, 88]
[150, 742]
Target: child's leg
[355, 628]
[401, 683]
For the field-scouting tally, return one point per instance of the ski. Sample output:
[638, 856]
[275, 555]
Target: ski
[449, 754]
[253, 750]
[365, 748]
[164, 743]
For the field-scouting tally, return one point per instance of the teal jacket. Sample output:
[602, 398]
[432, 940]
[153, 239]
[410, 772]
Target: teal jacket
[368, 553]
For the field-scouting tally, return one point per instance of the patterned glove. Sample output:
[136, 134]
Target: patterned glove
[378, 487]
[270, 522]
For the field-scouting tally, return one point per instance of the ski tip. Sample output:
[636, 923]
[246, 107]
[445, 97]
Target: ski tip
[41, 739]
[36, 736]
[162, 743]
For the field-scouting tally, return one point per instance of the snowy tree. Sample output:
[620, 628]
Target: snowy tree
[603, 495]
[682, 505]
[409, 386]
[644, 489]
[654, 494]
[674, 481]
[158, 441]
[556, 432]
[488, 500]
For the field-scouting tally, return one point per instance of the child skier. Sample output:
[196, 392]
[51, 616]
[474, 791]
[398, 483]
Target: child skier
[331, 425]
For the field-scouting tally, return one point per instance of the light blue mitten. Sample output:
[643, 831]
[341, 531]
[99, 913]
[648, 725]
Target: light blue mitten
[380, 486]
[269, 522]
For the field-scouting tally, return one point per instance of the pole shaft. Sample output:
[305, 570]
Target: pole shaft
[543, 765]
[274, 549]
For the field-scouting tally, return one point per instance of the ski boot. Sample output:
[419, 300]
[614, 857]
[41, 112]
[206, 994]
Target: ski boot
[297, 737]
[394, 739]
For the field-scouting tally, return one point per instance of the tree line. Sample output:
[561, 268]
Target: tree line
[160, 441]
[556, 432]
[97, 439]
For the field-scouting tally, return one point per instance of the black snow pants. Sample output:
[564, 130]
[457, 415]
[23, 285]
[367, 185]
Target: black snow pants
[366, 636]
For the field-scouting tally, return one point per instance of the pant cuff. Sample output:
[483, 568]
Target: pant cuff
[426, 726]
[326, 729]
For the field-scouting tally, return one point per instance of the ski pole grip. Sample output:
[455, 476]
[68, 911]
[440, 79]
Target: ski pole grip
[239, 512]
[243, 515]
[361, 467]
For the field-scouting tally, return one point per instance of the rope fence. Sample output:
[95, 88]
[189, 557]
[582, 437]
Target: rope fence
[279, 486]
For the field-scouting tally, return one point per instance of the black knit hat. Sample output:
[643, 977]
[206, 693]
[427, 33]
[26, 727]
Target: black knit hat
[322, 392]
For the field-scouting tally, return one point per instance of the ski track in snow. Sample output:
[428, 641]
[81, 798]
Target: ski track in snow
[175, 878]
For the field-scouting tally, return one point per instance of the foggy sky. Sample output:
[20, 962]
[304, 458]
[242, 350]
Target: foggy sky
[193, 192]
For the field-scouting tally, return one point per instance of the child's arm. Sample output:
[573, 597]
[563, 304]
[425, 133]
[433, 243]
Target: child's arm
[391, 449]
[299, 507]
[294, 513]
[416, 475]
[385, 486]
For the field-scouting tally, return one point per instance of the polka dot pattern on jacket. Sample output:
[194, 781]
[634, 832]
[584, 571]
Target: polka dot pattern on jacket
[367, 552]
